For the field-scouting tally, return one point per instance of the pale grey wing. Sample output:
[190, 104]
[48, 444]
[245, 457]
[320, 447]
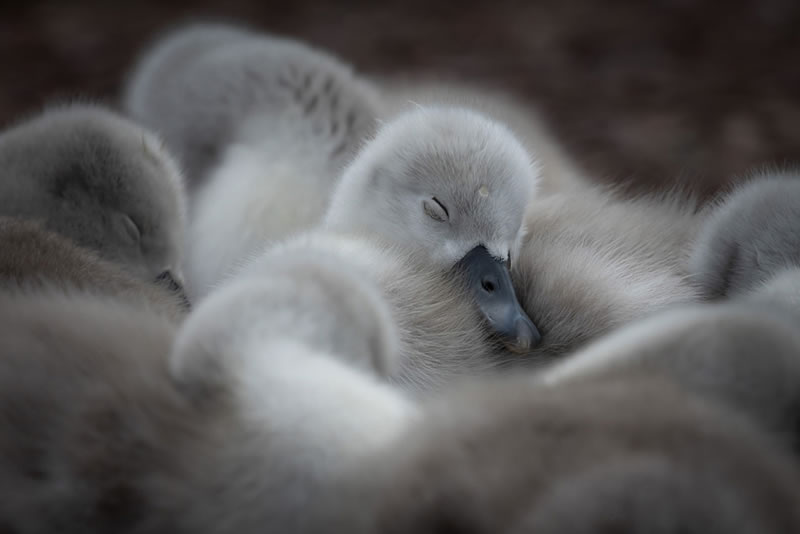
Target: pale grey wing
[199, 92]
[163, 87]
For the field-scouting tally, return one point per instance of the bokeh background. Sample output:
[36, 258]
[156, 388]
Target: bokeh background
[647, 92]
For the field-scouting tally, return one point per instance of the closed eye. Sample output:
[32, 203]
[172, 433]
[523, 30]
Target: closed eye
[134, 232]
[447, 213]
[435, 210]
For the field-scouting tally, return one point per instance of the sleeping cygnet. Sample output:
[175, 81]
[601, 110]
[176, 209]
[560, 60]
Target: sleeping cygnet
[432, 208]
[264, 125]
[589, 260]
[99, 180]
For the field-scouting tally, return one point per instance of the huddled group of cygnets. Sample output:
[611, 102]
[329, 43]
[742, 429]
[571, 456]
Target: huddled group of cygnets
[269, 295]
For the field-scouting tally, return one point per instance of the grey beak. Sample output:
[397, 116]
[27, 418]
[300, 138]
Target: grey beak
[168, 282]
[489, 281]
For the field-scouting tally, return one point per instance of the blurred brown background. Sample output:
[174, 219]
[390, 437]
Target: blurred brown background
[643, 91]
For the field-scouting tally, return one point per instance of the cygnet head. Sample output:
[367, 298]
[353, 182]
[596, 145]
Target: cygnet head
[100, 180]
[750, 237]
[311, 300]
[453, 185]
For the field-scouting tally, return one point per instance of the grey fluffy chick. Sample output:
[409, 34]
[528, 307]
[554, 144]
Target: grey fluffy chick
[640, 456]
[100, 180]
[750, 235]
[33, 258]
[264, 125]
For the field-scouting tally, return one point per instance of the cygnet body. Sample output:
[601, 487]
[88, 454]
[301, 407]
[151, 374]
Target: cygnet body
[300, 351]
[638, 456]
[591, 261]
